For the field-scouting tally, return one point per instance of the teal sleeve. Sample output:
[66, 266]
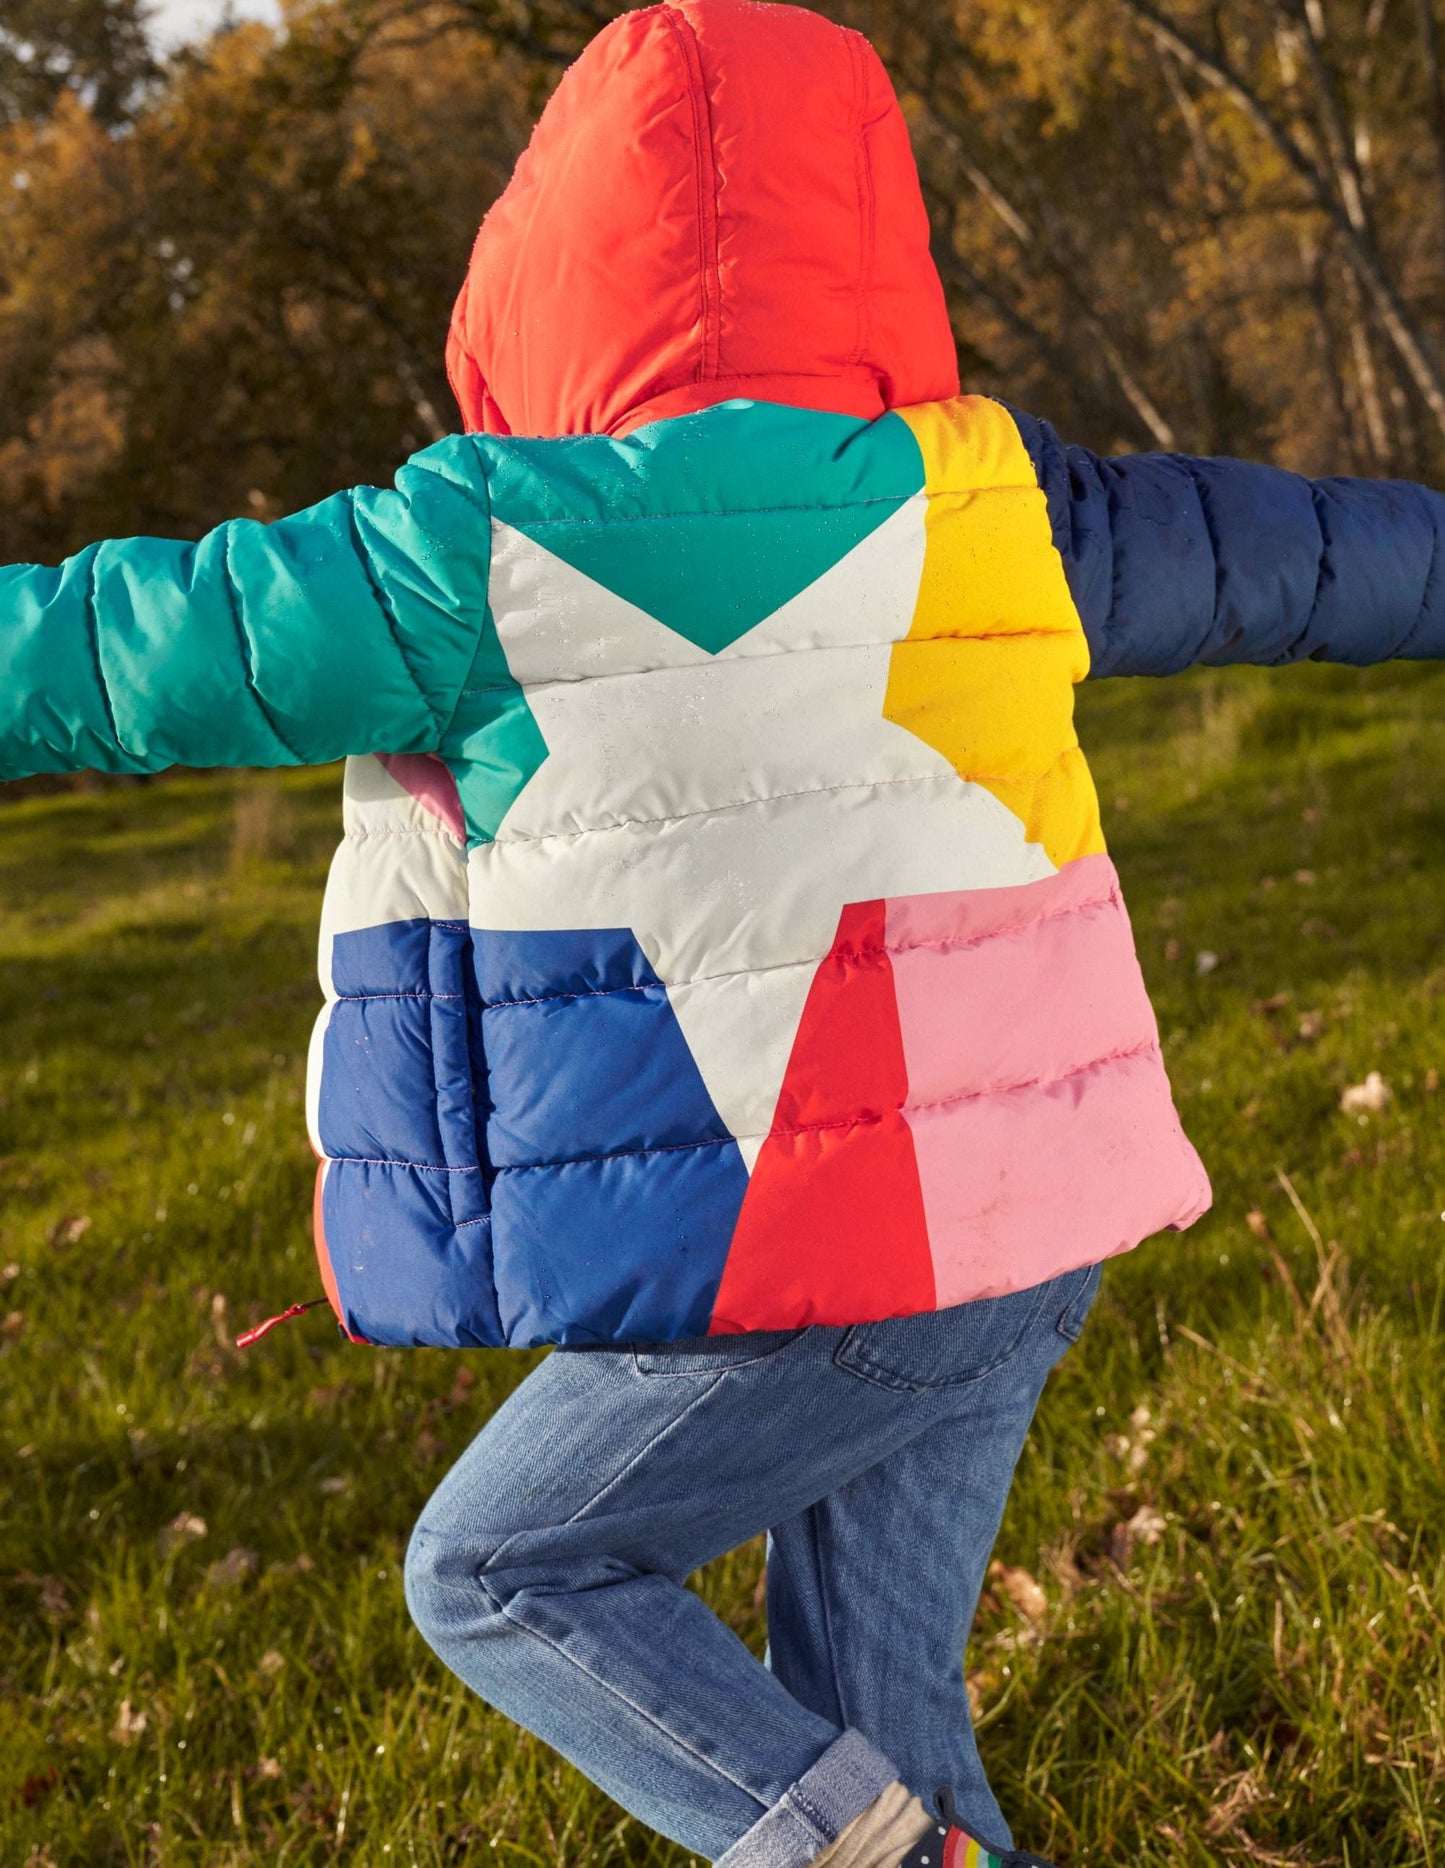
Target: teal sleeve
[348, 628]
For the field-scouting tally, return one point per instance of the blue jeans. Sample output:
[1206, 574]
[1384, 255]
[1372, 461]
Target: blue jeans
[548, 1570]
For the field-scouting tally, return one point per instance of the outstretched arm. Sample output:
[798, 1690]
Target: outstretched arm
[348, 628]
[1174, 560]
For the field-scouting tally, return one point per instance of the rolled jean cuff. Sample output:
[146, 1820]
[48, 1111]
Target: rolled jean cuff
[816, 1810]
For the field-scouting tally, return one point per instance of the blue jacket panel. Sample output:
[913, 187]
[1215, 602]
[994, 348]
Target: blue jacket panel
[1174, 560]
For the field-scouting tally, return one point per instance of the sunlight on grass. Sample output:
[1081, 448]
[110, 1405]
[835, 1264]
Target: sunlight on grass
[1214, 1632]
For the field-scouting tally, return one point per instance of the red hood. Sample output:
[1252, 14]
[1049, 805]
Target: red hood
[720, 200]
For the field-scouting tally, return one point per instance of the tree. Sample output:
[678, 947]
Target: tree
[242, 302]
[97, 49]
[1216, 225]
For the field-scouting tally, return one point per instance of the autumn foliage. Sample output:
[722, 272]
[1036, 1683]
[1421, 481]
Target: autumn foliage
[225, 279]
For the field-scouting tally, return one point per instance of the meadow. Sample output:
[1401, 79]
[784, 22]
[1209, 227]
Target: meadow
[1216, 1628]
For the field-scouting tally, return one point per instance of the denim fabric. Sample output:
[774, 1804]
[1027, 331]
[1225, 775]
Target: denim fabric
[548, 1570]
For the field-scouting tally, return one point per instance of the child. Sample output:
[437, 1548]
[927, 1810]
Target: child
[724, 970]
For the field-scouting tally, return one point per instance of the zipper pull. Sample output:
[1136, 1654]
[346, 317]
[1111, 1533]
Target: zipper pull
[247, 1337]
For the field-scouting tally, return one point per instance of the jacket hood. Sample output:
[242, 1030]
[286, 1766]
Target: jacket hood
[719, 200]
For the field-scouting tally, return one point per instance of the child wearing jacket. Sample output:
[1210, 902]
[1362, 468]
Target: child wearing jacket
[725, 975]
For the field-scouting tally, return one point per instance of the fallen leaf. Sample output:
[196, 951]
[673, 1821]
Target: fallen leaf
[70, 1229]
[184, 1528]
[1205, 962]
[298, 1567]
[1276, 1002]
[37, 1788]
[1367, 1098]
[1257, 1223]
[129, 1724]
[1022, 1590]
[272, 1661]
[1147, 1526]
[228, 1571]
[1311, 1024]
[267, 1769]
[333, 1488]
[13, 1325]
[1240, 1794]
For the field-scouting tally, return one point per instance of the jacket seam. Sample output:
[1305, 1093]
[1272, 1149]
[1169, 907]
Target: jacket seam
[524, 688]
[1116, 623]
[526, 526]
[1317, 504]
[418, 1167]
[1124, 1055]
[243, 645]
[438, 1089]
[449, 922]
[1402, 649]
[458, 482]
[863, 173]
[484, 506]
[358, 998]
[365, 834]
[1113, 898]
[1217, 556]
[90, 609]
[953, 776]
[391, 620]
[705, 183]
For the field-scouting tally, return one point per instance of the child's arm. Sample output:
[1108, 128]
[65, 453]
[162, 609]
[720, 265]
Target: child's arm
[1174, 561]
[348, 628]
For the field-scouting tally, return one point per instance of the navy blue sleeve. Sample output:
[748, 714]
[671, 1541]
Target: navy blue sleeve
[1174, 560]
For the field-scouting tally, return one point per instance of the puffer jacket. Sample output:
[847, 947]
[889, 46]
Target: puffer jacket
[723, 936]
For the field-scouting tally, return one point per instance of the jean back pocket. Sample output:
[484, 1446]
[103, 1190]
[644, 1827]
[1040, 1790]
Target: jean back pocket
[711, 1355]
[944, 1348]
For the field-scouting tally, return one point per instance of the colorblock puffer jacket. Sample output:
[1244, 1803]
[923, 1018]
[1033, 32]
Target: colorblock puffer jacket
[723, 935]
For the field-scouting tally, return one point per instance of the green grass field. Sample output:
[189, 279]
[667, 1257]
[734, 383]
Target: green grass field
[1218, 1632]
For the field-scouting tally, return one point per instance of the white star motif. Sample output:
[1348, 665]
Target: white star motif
[726, 807]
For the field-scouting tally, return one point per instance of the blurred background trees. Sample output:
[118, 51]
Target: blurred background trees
[225, 276]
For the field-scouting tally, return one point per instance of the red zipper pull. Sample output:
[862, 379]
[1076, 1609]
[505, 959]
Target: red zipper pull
[247, 1337]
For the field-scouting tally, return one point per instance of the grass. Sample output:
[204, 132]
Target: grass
[1233, 1502]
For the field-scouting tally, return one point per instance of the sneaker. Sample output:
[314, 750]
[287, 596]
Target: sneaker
[953, 1845]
